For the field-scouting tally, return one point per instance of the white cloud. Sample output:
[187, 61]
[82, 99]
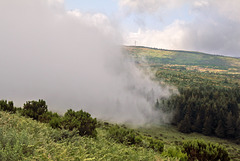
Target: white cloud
[169, 38]
[200, 4]
[214, 27]
[149, 6]
[99, 21]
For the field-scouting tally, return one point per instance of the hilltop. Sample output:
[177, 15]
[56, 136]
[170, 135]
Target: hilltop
[186, 59]
[193, 66]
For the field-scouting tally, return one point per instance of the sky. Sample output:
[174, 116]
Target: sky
[211, 26]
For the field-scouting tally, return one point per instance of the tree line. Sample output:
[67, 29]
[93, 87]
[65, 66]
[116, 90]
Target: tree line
[206, 109]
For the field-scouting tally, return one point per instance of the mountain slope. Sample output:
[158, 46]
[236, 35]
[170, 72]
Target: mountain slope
[187, 59]
[187, 69]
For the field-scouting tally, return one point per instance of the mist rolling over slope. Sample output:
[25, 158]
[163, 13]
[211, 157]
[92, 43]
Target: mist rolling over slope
[71, 60]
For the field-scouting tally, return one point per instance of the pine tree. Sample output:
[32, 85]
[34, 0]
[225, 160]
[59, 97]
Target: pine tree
[220, 130]
[237, 130]
[229, 126]
[207, 127]
[198, 124]
[185, 125]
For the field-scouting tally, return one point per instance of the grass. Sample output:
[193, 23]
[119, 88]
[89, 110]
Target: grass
[172, 137]
[187, 58]
[187, 69]
[25, 139]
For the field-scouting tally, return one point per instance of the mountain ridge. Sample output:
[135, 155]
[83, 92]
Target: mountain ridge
[185, 51]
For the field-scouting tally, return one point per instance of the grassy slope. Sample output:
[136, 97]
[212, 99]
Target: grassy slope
[183, 68]
[186, 69]
[194, 60]
[172, 137]
[24, 139]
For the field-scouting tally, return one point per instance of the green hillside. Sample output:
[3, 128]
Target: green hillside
[186, 59]
[209, 94]
[184, 68]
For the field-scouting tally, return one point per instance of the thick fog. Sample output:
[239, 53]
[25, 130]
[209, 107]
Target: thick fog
[71, 60]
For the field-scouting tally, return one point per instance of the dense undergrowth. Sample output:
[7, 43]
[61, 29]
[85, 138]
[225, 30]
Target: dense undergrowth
[25, 139]
[78, 136]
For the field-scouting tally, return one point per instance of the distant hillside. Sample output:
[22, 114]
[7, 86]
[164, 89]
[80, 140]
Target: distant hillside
[185, 59]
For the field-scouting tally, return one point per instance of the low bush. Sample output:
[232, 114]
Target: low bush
[156, 145]
[122, 135]
[62, 134]
[200, 150]
[34, 109]
[55, 122]
[130, 137]
[7, 106]
[175, 152]
[80, 120]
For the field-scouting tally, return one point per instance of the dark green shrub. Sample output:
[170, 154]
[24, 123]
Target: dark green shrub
[62, 134]
[80, 120]
[156, 145]
[55, 122]
[199, 150]
[175, 152]
[34, 109]
[48, 116]
[7, 106]
[122, 135]
[130, 137]
[138, 140]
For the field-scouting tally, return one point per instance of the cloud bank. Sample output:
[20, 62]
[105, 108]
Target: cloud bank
[71, 60]
[214, 26]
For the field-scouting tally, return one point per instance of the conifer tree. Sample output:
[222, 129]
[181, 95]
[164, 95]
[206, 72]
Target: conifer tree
[220, 130]
[198, 124]
[185, 125]
[207, 126]
[229, 126]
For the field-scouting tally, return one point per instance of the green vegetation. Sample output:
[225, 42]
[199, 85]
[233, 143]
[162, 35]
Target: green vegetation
[209, 92]
[25, 139]
[173, 140]
[130, 137]
[199, 150]
[207, 110]
[34, 109]
[80, 120]
[7, 106]
[184, 59]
